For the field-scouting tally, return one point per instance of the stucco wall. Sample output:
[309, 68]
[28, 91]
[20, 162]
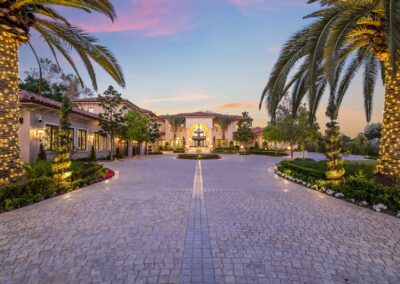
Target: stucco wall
[32, 131]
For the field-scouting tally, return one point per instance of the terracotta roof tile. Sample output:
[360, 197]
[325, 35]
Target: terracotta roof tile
[25, 96]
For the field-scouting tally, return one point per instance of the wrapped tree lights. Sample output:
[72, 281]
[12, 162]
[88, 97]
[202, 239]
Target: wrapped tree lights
[62, 160]
[10, 162]
[389, 161]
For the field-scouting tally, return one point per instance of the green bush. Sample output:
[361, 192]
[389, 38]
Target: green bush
[358, 185]
[301, 168]
[268, 153]
[363, 189]
[199, 156]
[38, 169]
[155, 153]
[179, 150]
[24, 193]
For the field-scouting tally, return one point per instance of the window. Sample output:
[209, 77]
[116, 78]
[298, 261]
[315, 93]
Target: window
[71, 139]
[103, 142]
[96, 141]
[82, 137]
[90, 109]
[51, 137]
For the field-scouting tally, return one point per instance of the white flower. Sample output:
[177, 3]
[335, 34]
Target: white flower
[379, 207]
[364, 203]
[330, 192]
[339, 195]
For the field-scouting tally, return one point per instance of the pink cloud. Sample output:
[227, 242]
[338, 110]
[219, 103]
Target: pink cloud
[271, 5]
[152, 18]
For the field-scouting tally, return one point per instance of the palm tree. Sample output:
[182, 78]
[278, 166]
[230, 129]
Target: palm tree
[224, 121]
[175, 121]
[17, 19]
[363, 32]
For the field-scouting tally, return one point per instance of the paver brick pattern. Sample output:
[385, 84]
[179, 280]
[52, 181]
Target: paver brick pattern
[265, 229]
[143, 225]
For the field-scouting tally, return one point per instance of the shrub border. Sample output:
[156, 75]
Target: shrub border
[339, 195]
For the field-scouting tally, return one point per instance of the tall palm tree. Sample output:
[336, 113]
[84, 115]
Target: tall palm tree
[175, 121]
[347, 35]
[17, 19]
[224, 121]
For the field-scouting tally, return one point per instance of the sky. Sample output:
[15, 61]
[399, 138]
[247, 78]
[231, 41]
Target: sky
[201, 55]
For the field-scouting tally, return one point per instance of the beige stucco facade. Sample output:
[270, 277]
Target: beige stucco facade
[199, 132]
[39, 115]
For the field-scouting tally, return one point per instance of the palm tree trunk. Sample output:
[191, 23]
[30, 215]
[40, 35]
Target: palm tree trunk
[389, 161]
[10, 161]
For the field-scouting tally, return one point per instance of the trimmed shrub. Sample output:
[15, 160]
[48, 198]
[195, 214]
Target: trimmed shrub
[179, 150]
[24, 193]
[199, 156]
[38, 169]
[155, 153]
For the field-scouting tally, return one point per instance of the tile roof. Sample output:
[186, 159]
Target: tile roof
[28, 97]
[132, 105]
[257, 130]
[202, 114]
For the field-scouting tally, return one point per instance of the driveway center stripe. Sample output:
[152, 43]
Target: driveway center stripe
[197, 263]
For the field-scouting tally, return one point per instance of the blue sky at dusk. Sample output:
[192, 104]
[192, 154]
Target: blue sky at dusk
[190, 55]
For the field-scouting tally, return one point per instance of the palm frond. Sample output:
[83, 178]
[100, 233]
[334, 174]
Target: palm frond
[370, 77]
[102, 6]
[392, 15]
[82, 43]
[352, 12]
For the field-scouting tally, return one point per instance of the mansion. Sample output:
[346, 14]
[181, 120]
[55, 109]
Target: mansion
[199, 131]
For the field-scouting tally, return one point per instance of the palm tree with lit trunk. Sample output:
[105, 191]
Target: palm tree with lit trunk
[17, 19]
[224, 121]
[367, 34]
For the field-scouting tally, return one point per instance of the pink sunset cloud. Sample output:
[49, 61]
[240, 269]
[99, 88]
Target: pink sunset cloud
[269, 5]
[152, 18]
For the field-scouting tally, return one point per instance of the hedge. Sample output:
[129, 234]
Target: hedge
[290, 165]
[199, 156]
[24, 193]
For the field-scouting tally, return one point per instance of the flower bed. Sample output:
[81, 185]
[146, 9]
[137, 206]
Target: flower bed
[358, 186]
[40, 186]
[199, 157]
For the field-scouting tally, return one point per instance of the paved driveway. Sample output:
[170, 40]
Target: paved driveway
[167, 220]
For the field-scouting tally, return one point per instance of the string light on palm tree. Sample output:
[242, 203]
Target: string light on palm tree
[17, 19]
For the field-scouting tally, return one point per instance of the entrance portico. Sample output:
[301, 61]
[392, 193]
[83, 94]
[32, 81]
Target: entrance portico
[199, 133]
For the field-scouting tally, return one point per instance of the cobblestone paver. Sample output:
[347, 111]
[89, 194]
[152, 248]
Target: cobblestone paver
[130, 230]
[264, 229]
[197, 264]
[162, 220]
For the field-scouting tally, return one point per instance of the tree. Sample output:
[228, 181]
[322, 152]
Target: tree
[224, 121]
[294, 128]
[335, 169]
[271, 133]
[62, 161]
[175, 122]
[346, 36]
[244, 134]
[112, 117]
[136, 127]
[18, 19]
[154, 129]
[50, 81]
[373, 131]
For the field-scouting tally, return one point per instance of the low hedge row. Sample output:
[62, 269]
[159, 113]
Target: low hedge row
[301, 170]
[358, 183]
[268, 153]
[24, 193]
[179, 150]
[154, 153]
[199, 156]
[39, 185]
